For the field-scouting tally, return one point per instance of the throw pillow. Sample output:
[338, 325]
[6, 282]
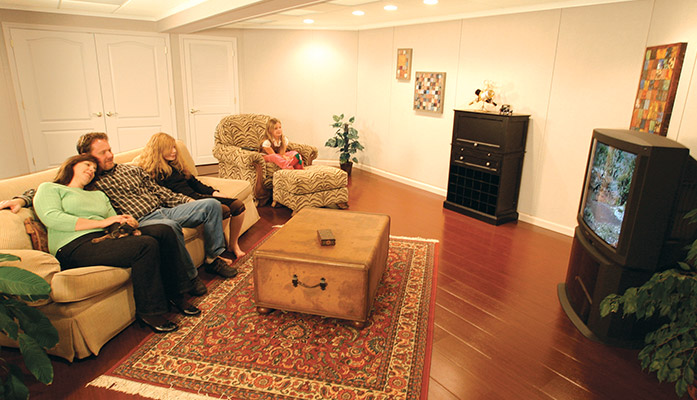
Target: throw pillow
[37, 232]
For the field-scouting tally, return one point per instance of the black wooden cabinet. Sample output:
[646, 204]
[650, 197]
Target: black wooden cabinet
[486, 161]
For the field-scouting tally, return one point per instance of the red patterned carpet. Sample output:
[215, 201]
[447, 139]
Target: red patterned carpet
[232, 352]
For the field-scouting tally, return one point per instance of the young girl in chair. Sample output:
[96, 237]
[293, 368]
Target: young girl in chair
[275, 147]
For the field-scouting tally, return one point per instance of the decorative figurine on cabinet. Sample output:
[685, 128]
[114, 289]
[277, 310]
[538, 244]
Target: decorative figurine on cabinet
[485, 96]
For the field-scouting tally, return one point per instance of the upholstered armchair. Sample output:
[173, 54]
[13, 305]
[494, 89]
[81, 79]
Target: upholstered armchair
[237, 147]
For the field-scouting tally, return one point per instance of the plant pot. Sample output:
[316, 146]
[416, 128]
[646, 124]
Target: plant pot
[347, 166]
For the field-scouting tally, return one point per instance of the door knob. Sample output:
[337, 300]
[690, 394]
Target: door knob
[194, 111]
[98, 114]
[111, 114]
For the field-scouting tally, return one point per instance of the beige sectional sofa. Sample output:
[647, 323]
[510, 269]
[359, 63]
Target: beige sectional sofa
[91, 305]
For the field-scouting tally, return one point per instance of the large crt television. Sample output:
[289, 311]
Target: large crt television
[628, 204]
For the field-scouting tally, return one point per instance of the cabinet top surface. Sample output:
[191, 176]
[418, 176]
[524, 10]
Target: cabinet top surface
[491, 113]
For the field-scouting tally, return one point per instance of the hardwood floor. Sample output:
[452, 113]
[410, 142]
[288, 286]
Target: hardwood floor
[500, 332]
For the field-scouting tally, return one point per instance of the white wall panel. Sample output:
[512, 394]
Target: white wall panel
[596, 71]
[301, 78]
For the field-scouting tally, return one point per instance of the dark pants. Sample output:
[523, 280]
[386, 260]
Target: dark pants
[173, 269]
[152, 283]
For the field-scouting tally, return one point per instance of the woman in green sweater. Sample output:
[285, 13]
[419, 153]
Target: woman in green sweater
[74, 215]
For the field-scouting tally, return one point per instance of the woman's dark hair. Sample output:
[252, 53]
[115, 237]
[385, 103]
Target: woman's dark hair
[65, 172]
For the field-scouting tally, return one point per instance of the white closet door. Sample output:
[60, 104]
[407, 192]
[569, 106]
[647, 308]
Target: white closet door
[59, 91]
[210, 74]
[135, 88]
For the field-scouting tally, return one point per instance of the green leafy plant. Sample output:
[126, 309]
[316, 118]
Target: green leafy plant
[345, 139]
[671, 350]
[27, 325]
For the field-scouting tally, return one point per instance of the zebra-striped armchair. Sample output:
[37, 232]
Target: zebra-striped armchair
[237, 147]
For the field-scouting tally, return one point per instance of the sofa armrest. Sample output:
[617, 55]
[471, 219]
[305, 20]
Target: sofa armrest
[232, 188]
[42, 264]
[307, 152]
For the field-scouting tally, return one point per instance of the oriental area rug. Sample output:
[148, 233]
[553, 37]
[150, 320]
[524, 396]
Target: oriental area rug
[232, 352]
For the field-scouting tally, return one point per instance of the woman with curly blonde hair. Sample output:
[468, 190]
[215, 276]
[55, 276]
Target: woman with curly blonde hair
[160, 160]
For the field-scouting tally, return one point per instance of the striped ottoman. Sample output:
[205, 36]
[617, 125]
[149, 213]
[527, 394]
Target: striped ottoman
[314, 186]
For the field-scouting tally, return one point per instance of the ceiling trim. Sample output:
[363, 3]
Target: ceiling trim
[191, 21]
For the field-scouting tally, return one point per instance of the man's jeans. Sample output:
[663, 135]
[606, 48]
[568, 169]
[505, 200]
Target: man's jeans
[190, 215]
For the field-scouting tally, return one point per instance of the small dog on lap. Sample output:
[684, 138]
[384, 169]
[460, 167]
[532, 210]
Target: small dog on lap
[118, 230]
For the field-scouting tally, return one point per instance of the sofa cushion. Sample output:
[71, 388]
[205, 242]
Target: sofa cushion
[78, 284]
[13, 234]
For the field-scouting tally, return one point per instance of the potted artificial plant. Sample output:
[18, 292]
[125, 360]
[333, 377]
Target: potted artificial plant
[671, 350]
[346, 140]
[27, 325]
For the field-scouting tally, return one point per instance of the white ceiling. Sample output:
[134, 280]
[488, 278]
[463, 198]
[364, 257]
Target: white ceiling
[197, 15]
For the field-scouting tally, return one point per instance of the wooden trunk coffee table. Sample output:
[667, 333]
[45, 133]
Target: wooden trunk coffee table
[293, 272]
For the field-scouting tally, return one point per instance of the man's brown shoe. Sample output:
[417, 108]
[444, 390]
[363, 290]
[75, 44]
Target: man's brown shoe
[220, 267]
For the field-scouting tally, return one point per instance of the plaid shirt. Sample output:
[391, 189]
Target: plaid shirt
[27, 196]
[132, 191]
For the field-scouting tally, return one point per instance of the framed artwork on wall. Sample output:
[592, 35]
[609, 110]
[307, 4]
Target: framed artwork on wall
[657, 86]
[404, 64]
[429, 91]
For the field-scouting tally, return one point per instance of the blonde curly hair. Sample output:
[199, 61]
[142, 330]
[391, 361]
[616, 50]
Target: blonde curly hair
[152, 158]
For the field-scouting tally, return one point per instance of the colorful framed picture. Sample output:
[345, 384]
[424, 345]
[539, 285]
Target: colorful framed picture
[657, 86]
[404, 64]
[429, 91]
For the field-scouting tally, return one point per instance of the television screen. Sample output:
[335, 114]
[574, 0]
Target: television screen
[607, 190]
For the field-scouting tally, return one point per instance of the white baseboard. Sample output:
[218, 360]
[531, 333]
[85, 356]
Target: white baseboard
[391, 176]
[542, 223]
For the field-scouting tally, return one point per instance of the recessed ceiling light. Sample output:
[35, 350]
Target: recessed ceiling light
[430, 2]
[390, 7]
[308, 21]
[358, 12]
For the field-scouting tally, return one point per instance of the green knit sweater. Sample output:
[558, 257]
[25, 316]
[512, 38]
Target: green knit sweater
[59, 207]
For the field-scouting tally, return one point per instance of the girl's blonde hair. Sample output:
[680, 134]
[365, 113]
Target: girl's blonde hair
[269, 130]
[152, 158]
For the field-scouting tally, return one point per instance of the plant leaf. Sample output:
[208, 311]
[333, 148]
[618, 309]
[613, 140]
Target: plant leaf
[34, 323]
[7, 324]
[35, 359]
[14, 387]
[17, 281]
[8, 257]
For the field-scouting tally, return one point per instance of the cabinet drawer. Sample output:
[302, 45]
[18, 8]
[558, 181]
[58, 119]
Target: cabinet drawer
[487, 161]
[476, 145]
[493, 132]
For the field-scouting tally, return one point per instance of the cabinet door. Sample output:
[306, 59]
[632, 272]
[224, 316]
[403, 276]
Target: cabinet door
[135, 88]
[58, 91]
[210, 83]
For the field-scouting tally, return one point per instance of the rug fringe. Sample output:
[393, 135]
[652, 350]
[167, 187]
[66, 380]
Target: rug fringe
[144, 389]
[415, 238]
